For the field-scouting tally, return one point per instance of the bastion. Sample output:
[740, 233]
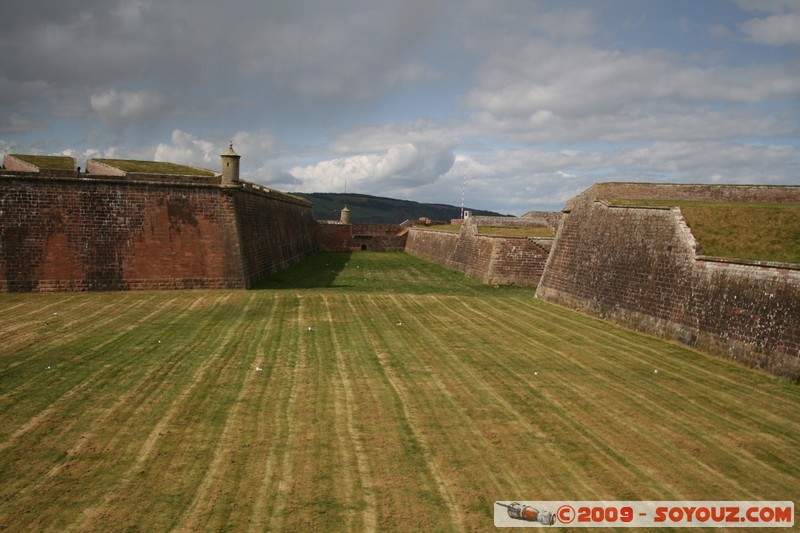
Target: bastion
[641, 267]
[124, 225]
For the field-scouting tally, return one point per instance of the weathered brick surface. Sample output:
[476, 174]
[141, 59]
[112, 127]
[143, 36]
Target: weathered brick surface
[489, 259]
[334, 237]
[530, 220]
[638, 267]
[104, 234]
[274, 233]
[374, 237]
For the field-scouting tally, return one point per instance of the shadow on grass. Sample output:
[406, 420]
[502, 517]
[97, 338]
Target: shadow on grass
[316, 271]
[377, 272]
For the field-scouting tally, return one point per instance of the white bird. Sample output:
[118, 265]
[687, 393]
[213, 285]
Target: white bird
[399, 323]
[47, 367]
[310, 328]
[655, 371]
[259, 369]
[535, 373]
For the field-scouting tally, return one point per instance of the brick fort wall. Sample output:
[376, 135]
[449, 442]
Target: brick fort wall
[337, 237]
[639, 267]
[493, 260]
[90, 233]
[275, 231]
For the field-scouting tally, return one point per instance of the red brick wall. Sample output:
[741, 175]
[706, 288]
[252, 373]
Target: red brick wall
[638, 267]
[117, 234]
[101, 235]
[274, 232]
[374, 237]
[334, 237]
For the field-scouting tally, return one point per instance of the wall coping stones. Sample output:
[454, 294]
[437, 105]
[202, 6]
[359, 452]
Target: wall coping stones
[749, 262]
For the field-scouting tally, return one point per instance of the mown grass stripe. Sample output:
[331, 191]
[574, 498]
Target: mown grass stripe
[346, 406]
[407, 492]
[178, 408]
[292, 414]
[364, 424]
[673, 430]
[612, 404]
[427, 328]
[228, 464]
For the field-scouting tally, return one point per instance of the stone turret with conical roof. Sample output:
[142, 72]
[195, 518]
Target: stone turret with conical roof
[345, 218]
[230, 166]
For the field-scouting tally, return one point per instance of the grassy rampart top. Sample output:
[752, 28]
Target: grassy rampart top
[50, 162]
[155, 167]
[497, 231]
[743, 230]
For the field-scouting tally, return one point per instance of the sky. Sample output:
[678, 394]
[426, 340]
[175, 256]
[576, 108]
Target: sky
[521, 104]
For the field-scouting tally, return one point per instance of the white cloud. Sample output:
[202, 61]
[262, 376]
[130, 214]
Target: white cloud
[187, 149]
[398, 170]
[258, 145]
[385, 159]
[118, 110]
[546, 92]
[777, 30]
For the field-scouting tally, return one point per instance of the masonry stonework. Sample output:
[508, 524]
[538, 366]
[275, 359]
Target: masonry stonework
[105, 233]
[490, 259]
[640, 267]
[341, 237]
[275, 231]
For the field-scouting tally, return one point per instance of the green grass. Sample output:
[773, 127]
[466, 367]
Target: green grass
[54, 162]
[757, 231]
[516, 231]
[389, 272]
[155, 167]
[413, 403]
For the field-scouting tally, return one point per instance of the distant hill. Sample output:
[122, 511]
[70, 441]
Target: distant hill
[365, 209]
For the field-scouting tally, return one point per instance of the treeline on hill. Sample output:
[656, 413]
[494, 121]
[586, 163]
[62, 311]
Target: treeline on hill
[366, 209]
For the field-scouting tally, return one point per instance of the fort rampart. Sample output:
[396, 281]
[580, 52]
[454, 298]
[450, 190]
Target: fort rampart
[88, 232]
[640, 267]
[495, 260]
[338, 237]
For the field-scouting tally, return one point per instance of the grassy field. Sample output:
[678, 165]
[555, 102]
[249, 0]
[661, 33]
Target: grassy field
[743, 230]
[363, 392]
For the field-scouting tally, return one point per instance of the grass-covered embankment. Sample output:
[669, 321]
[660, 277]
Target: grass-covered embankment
[742, 230]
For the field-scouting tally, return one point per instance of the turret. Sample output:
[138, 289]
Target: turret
[230, 166]
[345, 218]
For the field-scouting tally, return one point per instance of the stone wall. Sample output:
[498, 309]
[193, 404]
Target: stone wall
[334, 237]
[337, 237]
[489, 259]
[91, 233]
[275, 231]
[529, 220]
[639, 267]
